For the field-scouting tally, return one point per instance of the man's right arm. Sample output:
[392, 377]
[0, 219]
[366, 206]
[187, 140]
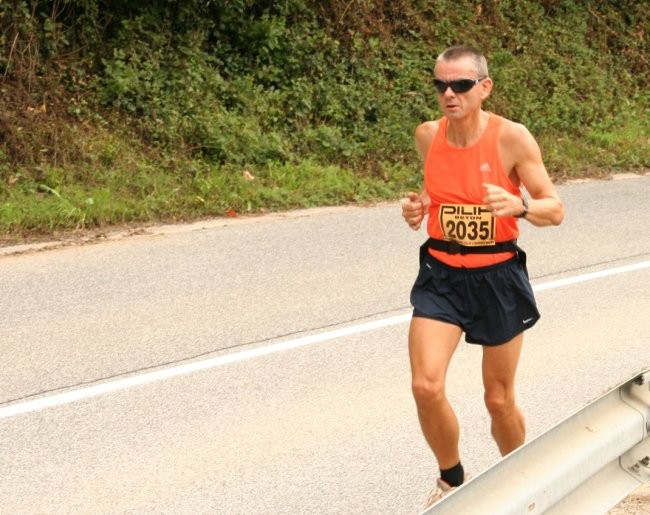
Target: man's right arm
[416, 205]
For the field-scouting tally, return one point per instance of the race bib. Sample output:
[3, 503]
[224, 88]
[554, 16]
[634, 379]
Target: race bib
[471, 225]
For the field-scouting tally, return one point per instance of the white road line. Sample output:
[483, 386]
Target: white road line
[59, 399]
[591, 276]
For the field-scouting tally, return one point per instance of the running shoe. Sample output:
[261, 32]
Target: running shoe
[441, 490]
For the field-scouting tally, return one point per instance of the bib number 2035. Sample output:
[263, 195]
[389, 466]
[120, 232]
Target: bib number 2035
[468, 224]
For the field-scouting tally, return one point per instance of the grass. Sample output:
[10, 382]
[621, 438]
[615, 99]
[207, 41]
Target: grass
[118, 186]
[602, 151]
[173, 192]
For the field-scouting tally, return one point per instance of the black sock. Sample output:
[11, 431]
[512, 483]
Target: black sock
[453, 476]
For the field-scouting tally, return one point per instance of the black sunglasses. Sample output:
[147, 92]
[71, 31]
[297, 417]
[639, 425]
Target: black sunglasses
[457, 86]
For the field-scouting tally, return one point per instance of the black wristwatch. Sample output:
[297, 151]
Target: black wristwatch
[523, 214]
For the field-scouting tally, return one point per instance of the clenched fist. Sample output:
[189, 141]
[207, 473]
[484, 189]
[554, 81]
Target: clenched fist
[501, 202]
[413, 210]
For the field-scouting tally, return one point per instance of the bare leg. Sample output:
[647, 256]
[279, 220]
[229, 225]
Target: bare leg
[431, 346]
[499, 368]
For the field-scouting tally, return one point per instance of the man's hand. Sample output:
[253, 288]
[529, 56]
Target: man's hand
[413, 210]
[501, 202]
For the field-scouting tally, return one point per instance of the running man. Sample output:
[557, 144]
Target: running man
[472, 276]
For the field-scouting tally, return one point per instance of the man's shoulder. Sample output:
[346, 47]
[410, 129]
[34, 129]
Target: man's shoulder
[427, 127]
[427, 130]
[512, 131]
[517, 143]
[424, 135]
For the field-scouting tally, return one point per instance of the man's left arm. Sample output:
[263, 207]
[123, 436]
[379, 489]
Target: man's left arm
[544, 205]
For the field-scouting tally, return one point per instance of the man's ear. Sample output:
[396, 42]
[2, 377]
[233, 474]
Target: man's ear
[486, 87]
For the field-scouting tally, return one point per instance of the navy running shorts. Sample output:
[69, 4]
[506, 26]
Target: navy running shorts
[491, 304]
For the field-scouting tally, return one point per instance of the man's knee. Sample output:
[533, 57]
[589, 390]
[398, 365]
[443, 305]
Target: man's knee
[427, 391]
[499, 403]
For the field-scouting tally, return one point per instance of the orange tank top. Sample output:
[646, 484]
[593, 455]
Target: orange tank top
[454, 178]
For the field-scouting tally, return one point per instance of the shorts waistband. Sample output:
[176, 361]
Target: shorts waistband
[475, 270]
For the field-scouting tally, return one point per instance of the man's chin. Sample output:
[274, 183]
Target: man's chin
[452, 111]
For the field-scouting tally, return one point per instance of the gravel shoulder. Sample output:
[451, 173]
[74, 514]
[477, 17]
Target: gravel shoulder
[637, 503]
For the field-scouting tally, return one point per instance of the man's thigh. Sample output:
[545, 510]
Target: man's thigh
[500, 363]
[431, 346]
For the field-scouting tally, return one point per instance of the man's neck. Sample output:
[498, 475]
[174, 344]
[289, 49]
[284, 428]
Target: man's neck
[467, 131]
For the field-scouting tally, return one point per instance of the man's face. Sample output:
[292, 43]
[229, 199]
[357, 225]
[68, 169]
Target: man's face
[458, 105]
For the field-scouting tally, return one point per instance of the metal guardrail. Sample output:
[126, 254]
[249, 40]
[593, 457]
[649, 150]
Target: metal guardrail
[585, 465]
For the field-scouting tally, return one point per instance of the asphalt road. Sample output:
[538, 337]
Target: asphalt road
[259, 365]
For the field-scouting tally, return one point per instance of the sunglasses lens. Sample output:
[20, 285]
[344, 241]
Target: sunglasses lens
[462, 86]
[441, 86]
[457, 86]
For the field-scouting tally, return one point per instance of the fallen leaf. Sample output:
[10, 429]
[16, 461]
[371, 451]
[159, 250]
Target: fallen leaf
[231, 213]
[40, 109]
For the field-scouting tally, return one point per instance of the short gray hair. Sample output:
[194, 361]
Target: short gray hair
[459, 51]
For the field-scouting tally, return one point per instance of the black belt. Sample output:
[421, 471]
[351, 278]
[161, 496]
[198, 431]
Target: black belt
[452, 247]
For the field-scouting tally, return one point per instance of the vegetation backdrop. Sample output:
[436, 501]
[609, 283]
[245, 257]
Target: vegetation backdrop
[117, 111]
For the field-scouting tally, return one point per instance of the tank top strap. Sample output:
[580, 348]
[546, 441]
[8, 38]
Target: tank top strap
[491, 134]
[441, 134]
